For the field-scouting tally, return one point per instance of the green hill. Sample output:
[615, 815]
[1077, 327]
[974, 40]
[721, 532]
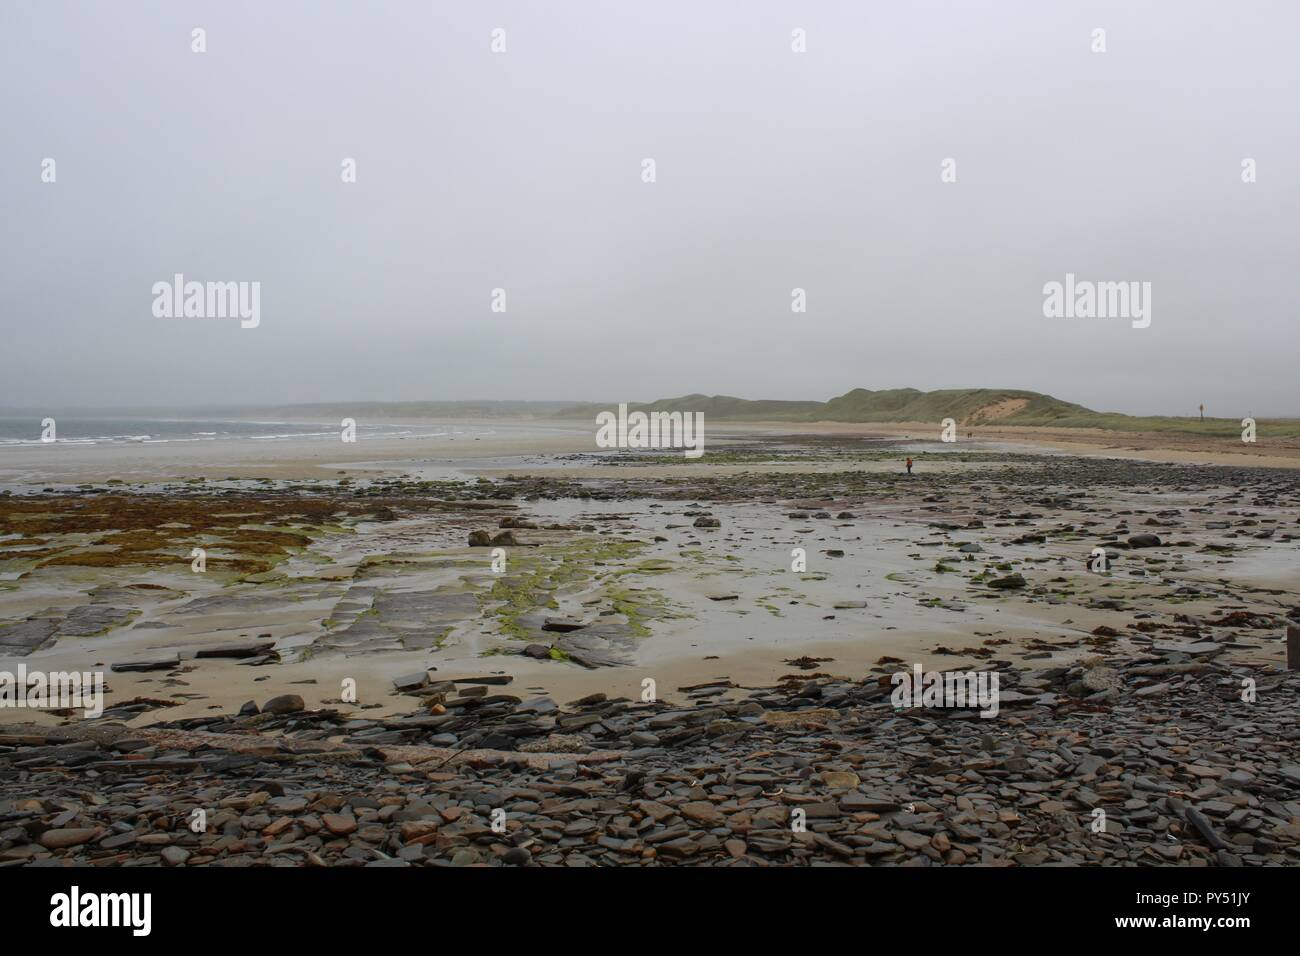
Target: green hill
[967, 406]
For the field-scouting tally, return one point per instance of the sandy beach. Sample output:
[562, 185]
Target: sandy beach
[673, 603]
[403, 634]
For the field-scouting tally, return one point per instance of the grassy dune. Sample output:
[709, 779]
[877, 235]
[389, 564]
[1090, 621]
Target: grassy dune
[968, 406]
[1010, 407]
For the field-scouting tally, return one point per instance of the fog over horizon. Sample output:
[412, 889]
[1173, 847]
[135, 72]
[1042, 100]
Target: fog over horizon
[522, 171]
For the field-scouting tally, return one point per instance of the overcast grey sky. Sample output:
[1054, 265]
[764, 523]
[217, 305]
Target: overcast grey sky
[775, 170]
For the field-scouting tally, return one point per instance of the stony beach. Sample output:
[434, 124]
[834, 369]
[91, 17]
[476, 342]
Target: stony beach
[542, 654]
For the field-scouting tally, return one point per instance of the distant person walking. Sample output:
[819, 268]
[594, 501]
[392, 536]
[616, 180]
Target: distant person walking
[909, 466]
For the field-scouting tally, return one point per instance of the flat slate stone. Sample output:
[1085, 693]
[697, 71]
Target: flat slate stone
[26, 636]
[236, 650]
[158, 664]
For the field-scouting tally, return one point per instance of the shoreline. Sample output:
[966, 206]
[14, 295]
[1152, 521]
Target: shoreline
[304, 459]
[665, 623]
[525, 614]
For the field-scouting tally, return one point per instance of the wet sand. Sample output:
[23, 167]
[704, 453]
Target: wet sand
[388, 586]
[532, 444]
